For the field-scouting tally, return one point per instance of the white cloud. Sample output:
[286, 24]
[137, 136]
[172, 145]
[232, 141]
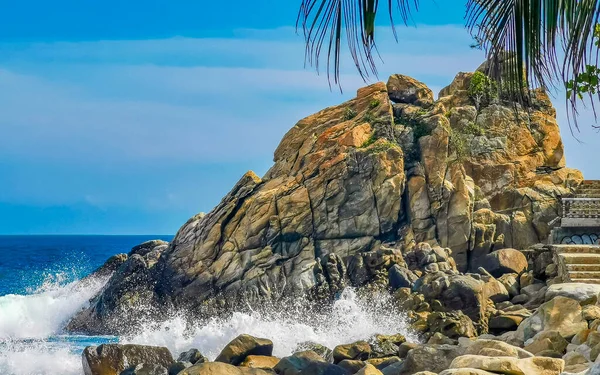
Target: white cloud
[184, 99]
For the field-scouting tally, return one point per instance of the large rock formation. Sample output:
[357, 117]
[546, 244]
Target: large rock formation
[353, 190]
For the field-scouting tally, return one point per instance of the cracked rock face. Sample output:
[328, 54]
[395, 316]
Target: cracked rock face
[355, 187]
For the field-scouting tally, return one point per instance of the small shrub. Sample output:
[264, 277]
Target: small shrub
[372, 139]
[374, 103]
[448, 114]
[422, 112]
[381, 146]
[473, 129]
[368, 117]
[349, 114]
[482, 89]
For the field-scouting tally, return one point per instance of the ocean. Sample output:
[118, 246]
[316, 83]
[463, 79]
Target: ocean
[40, 291]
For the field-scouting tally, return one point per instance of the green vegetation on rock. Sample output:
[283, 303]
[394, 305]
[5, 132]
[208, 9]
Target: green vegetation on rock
[349, 114]
[482, 89]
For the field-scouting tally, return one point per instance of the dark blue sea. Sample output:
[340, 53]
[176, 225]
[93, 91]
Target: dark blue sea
[26, 262]
[40, 291]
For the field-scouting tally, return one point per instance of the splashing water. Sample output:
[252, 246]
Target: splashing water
[350, 319]
[43, 313]
[31, 342]
[29, 325]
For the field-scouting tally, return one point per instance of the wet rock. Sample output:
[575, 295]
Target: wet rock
[452, 325]
[146, 369]
[323, 351]
[352, 365]
[260, 361]
[192, 356]
[112, 359]
[178, 367]
[386, 345]
[360, 350]
[242, 346]
[323, 368]
[369, 369]
[294, 364]
[403, 349]
[382, 363]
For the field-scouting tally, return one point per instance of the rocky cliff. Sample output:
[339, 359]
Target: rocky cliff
[378, 190]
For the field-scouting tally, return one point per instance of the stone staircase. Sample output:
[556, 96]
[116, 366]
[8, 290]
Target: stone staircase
[588, 189]
[577, 249]
[578, 263]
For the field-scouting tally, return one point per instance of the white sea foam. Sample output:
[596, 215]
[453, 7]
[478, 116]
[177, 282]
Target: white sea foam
[38, 358]
[350, 319]
[30, 325]
[44, 312]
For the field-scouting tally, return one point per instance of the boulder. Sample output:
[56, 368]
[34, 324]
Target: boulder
[494, 348]
[546, 340]
[146, 369]
[386, 345]
[581, 292]
[112, 359]
[434, 358]
[192, 356]
[220, 368]
[360, 350]
[510, 365]
[404, 89]
[260, 361]
[591, 312]
[294, 364]
[452, 325]
[455, 292]
[369, 369]
[352, 365]
[465, 371]
[560, 314]
[401, 277]
[323, 368]
[382, 363]
[242, 346]
[503, 261]
[323, 351]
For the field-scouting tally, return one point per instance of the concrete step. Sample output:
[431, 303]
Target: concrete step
[580, 258]
[584, 275]
[577, 249]
[587, 281]
[583, 267]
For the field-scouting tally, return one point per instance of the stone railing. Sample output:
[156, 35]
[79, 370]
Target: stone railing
[580, 212]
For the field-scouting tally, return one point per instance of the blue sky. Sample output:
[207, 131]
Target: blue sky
[124, 117]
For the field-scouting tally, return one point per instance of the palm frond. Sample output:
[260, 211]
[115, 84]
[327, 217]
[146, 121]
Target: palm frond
[326, 24]
[536, 33]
